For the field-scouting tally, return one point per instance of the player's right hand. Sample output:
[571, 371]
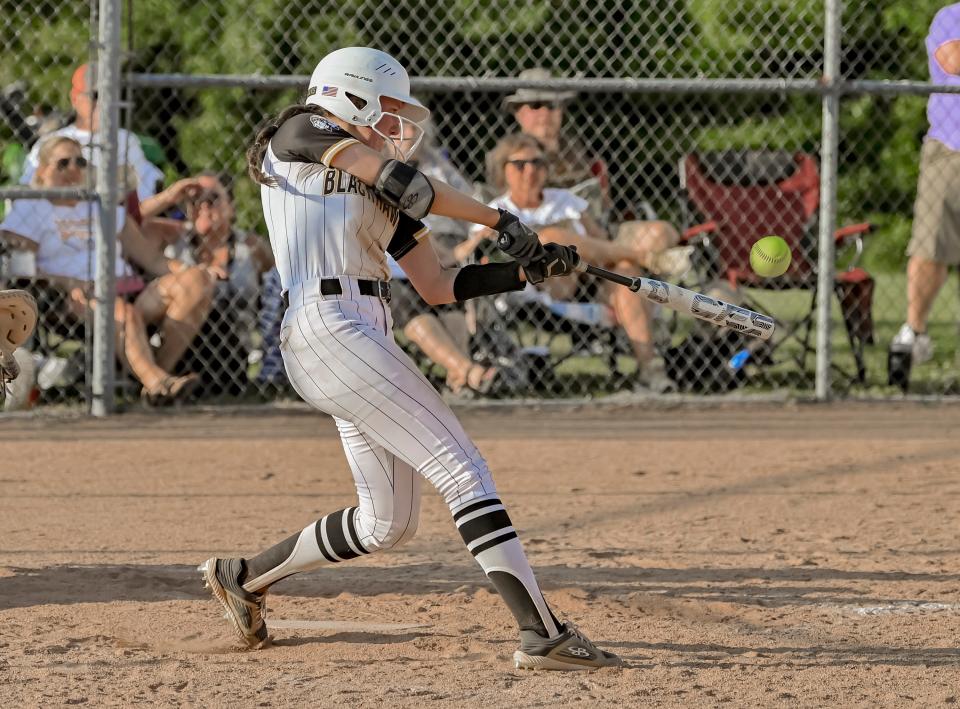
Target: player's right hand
[557, 261]
[517, 240]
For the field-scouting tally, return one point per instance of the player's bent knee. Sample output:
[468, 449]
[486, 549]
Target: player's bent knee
[405, 534]
[380, 534]
[392, 537]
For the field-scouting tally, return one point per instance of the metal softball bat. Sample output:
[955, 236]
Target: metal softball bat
[700, 306]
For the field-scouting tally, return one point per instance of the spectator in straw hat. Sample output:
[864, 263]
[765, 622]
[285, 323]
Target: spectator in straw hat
[83, 97]
[539, 112]
[571, 166]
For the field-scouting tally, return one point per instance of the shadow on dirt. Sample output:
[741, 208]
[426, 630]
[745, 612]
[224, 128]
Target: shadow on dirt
[764, 587]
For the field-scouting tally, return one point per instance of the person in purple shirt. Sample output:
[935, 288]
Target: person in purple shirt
[935, 241]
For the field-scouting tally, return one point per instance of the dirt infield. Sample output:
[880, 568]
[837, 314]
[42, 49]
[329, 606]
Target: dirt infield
[764, 555]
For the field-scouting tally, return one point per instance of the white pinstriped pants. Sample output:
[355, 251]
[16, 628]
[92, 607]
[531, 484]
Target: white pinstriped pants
[341, 358]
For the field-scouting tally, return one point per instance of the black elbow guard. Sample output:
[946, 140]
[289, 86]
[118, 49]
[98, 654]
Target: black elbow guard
[475, 280]
[406, 188]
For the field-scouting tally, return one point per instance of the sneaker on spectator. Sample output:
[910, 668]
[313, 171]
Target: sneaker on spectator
[920, 343]
[653, 378]
[61, 371]
[22, 392]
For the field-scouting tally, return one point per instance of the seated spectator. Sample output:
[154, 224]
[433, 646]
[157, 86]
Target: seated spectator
[59, 234]
[83, 97]
[571, 165]
[539, 112]
[560, 216]
[441, 332]
[152, 212]
[237, 258]
[213, 240]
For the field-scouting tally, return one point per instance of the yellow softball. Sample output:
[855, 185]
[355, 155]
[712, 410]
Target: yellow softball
[770, 257]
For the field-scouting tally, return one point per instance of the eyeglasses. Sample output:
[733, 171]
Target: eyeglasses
[538, 163]
[79, 162]
[537, 105]
[208, 197]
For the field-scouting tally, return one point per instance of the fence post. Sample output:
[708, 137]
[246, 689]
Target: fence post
[830, 137]
[108, 87]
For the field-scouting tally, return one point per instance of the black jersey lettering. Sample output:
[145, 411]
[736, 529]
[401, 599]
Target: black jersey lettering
[339, 182]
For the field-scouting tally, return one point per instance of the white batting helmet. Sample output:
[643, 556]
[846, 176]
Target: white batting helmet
[363, 75]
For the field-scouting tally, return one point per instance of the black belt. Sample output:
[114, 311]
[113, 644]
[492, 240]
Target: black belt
[331, 286]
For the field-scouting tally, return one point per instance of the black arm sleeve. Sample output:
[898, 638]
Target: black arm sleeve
[308, 137]
[476, 280]
[409, 233]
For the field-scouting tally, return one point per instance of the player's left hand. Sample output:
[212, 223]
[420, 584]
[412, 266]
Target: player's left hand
[517, 240]
[557, 261]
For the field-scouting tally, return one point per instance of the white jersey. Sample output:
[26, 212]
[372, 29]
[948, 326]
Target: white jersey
[324, 222]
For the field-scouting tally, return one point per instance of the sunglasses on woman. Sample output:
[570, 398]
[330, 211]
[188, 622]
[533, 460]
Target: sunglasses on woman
[537, 105]
[538, 163]
[79, 162]
[207, 197]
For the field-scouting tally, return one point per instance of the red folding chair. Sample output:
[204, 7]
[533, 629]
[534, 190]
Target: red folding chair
[739, 196]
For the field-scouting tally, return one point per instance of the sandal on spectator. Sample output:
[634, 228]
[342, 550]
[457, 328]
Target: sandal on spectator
[170, 390]
[480, 380]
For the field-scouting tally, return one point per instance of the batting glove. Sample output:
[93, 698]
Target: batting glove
[517, 240]
[557, 261]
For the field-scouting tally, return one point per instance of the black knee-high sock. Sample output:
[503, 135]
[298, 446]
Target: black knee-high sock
[329, 540]
[491, 538]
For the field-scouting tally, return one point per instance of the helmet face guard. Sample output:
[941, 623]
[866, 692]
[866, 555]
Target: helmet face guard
[404, 146]
[350, 83]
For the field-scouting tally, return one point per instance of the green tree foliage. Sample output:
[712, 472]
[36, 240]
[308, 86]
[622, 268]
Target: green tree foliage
[644, 135]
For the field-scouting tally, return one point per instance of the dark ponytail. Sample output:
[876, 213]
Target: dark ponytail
[258, 148]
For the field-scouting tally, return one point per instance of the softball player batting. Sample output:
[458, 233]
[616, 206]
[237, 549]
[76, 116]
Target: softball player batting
[336, 196]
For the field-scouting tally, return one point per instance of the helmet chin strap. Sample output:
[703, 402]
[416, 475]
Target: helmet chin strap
[391, 146]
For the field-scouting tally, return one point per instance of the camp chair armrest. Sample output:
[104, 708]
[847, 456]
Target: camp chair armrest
[853, 233]
[852, 230]
[697, 229]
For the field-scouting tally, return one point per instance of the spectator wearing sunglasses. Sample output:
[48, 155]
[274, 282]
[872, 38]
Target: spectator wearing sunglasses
[213, 240]
[236, 261]
[570, 165]
[521, 166]
[83, 97]
[60, 235]
[539, 113]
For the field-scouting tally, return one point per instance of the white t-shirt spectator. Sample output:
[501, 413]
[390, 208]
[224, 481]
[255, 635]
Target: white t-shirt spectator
[558, 206]
[130, 151]
[65, 236]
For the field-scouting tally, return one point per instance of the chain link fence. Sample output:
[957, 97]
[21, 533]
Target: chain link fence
[683, 131]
